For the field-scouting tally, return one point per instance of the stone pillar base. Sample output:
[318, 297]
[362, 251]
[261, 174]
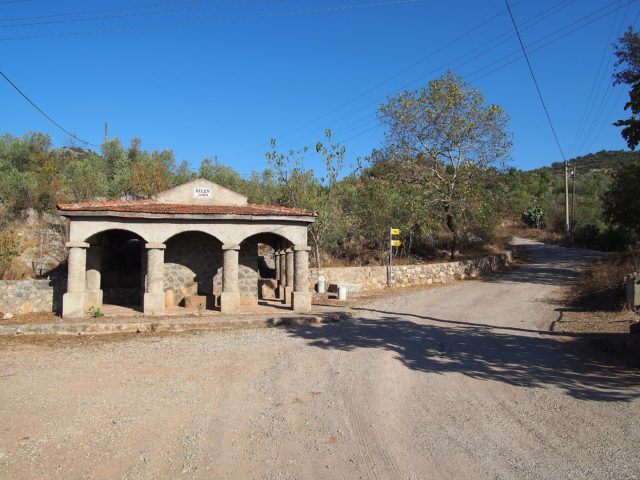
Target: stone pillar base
[94, 299]
[278, 293]
[229, 302]
[154, 303]
[73, 304]
[288, 294]
[301, 301]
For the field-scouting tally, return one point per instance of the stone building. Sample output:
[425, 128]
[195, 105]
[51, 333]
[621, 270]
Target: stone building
[195, 244]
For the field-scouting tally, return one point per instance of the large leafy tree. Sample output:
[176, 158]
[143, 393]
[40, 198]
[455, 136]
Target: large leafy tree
[445, 139]
[628, 52]
[622, 202]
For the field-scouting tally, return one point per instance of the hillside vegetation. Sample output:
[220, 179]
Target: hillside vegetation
[355, 211]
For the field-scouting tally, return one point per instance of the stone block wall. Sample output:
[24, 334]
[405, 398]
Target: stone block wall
[248, 273]
[373, 278]
[193, 261]
[25, 296]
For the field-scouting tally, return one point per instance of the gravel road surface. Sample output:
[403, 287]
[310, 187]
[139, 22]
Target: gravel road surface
[461, 381]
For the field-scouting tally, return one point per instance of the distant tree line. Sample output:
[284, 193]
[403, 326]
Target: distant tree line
[442, 177]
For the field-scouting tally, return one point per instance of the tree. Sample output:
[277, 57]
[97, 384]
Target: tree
[628, 52]
[118, 168]
[622, 202]
[444, 138]
[300, 189]
[223, 175]
[85, 178]
[152, 172]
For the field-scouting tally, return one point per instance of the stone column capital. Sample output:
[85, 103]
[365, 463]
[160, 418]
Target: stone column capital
[155, 246]
[230, 246]
[77, 245]
[288, 250]
[302, 248]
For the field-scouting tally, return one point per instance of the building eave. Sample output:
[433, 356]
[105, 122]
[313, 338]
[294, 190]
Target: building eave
[182, 216]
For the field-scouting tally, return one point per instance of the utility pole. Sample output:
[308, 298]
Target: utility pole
[573, 200]
[566, 199]
[106, 132]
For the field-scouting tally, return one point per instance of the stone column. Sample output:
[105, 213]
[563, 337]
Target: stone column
[301, 297]
[276, 260]
[283, 274]
[94, 267]
[153, 303]
[277, 294]
[73, 302]
[230, 297]
[289, 274]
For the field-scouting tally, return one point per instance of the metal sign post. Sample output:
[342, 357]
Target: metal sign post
[392, 243]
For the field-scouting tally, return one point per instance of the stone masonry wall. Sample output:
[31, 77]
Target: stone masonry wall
[25, 296]
[193, 264]
[373, 278]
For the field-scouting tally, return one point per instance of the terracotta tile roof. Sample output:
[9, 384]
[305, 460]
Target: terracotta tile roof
[151, 206]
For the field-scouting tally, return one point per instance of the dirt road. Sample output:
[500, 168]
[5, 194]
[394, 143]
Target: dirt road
[459, 381]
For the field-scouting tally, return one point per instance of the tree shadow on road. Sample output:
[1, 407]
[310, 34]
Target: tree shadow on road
[548, 265]
[514, 356]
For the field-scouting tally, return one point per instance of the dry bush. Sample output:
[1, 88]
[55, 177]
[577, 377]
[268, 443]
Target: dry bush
[17, 270]
[602, 287]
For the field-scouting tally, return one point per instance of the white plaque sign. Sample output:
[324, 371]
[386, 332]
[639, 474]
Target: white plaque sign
[201, 192]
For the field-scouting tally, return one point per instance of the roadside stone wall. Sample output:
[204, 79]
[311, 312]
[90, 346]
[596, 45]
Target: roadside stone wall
[25, 296]
[373, 278]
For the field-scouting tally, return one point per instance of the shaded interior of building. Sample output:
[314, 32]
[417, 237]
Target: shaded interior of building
[193, 272]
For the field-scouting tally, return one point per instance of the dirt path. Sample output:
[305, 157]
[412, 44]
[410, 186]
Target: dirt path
[455, 382]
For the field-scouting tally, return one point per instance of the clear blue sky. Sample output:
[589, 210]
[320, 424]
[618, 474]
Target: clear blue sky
[222, 77]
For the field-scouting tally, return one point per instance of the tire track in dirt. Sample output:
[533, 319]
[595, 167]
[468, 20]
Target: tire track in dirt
[358, 403]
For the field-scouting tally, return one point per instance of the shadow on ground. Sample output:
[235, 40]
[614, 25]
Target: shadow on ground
[509, 355]
[548, 265]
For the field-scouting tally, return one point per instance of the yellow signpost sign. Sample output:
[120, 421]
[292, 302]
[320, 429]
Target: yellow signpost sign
[392, 243]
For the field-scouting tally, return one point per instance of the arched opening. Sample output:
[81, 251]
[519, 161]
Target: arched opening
[260, 276]
[193, 271]
[115, 269]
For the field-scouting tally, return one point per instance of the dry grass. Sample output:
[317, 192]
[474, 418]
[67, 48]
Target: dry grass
[518, 229]
[602, 287]
[17, 270]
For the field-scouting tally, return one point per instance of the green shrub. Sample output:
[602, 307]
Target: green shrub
[534, 217]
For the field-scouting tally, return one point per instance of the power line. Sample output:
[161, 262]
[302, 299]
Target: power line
[518, 53]
[594, 87]
[219, 20]
[607, 117]
[535, 82]
[102, 10]
[546, 111]
[500, 39]
[536, 19]
[144, 14]
[397, 74]
[579, 24]
[43, 113]
[605, 98]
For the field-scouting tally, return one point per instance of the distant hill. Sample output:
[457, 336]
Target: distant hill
[606, 161]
